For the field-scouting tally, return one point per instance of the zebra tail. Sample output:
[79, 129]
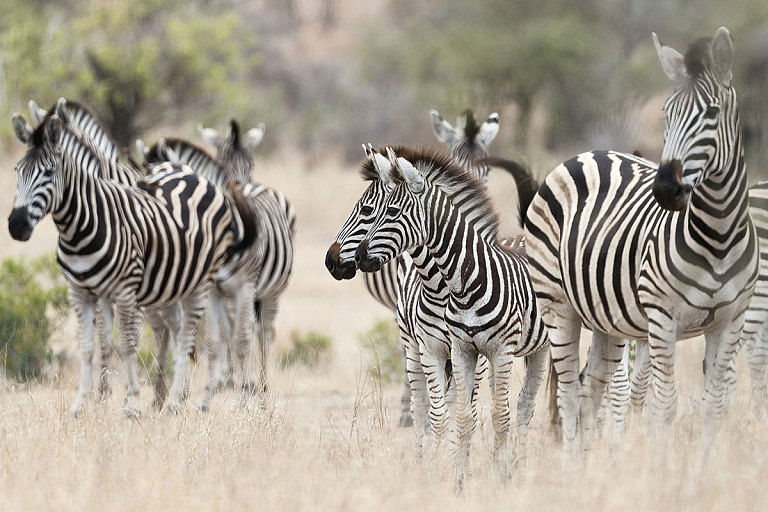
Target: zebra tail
[247, 230]
[527, 186]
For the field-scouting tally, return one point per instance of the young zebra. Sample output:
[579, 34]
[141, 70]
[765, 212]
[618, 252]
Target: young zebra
[491, 307]
[636, 252]
[117, 242]
[255, 281]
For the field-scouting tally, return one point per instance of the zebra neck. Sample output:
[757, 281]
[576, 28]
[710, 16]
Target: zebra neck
[429, 272]
[718, 210]
[75, 204]
[458, 248]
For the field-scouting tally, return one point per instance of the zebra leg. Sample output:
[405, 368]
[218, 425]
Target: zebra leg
[464, 362]
[243, 341]
[129, 320]
[406, 419]
[564, 327]
[266, 326]
[419, 395]
[757, 359]
[536, 365]
[662, 341]
[193, 307]
[105, 328]
[436, 384]
[85, 311]
[722, 347]
[619, 395]
[217, 342]
[641, 375]
[604, 357]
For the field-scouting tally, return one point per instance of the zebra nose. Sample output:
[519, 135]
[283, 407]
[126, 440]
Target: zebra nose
[362, 252]
[331, 256]
[19, 225]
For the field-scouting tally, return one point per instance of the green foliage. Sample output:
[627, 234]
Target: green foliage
[385, 357]
[33, 300]
[134, 62]
[311, 349]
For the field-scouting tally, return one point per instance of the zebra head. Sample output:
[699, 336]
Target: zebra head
[235, 151]
[35, 174]
[468, 141]
[400, 223]
[701, 118]
[340, 258]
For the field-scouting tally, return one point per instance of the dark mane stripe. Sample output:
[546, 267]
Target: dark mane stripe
[471, 128]
[697, 57]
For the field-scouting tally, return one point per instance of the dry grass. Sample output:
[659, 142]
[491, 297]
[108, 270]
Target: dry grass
[326, 439]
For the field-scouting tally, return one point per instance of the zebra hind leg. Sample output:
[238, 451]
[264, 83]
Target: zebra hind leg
[129, 319]
[464, 362]
[218, 340]
[536, 365]
[193, 308]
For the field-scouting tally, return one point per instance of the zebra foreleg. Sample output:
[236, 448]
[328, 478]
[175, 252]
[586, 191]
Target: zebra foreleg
[419, 396]
[641, 375]
[436, 385]
[85, 311]
[129, 320]
[405, 420]
[619, 395]
[243, 342]
[193, 307]
[464, 361]
[757, 360]
[722, 346]
[265, 322]
[105, 328]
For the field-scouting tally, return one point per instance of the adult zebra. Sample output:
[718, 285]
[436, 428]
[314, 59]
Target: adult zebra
[256, 282]
[116, 242]
[491, 306]
[636, 252]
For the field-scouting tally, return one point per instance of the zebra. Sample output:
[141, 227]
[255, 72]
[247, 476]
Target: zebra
[117, 242]
[491, 307]
[260, 276]
[165, 322]
[639, 251]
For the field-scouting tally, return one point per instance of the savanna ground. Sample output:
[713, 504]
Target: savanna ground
[327, 437]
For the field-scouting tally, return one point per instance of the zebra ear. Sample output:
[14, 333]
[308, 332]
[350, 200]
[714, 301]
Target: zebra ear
[37, 114]
[722, 55]
[170, 155]
[671, 60]
[254, 136]
[442, 128]
[404, 168]
[53, 131]
[22, 130]
[381, 164]
[61, 111]
[209, 135]
[489, 129]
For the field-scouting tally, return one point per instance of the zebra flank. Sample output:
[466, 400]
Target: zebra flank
[635, 250]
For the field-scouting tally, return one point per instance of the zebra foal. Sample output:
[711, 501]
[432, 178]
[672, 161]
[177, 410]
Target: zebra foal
[491, 307]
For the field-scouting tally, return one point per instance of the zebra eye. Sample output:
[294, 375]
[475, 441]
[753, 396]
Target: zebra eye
[48, 172]
[366, 210]
[393, 212]
[711, 112]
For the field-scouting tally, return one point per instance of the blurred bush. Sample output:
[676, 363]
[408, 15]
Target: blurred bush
[33, 303]
[310, 349]
[385, 355]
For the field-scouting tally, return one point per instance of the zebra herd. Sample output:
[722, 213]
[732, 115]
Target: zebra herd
[181, 233]
[630, 249]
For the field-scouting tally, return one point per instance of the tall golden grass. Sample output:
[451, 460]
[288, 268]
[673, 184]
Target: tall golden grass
[326, 439]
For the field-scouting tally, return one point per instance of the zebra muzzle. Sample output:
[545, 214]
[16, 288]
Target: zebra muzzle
[339, 269]
[668, 189]
[364, 261]
[19, 225]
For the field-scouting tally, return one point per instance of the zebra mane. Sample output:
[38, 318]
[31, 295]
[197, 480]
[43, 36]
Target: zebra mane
[235, 132]
[78, 111]
[471, 128]
[201, 162]
[463, 189]
[697, 58]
